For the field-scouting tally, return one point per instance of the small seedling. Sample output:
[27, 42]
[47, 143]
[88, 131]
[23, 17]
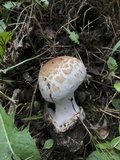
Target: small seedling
[4, 38]
[48, 144]
[112, 64]
[36, 105]
[117, 87]
[73, 36]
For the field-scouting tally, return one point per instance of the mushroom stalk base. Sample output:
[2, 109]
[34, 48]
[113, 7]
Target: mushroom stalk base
[65, 109]
[66, 114]
[70, 139]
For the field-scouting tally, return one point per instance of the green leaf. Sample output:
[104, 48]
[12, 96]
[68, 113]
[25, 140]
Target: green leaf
[6, 151]
[43, 3]
[36, 104]
[119, 128]
[4, 38]
[117, 45]
[1, 51]
[48, 144]
[103, 155]
[10, 4]
[2, 26]
[116, 103]
[97, 155]
[73, 36]
[114, 155]
[115, 143]
[15, 143]
[117, 86]
[106, 145]
[112, 64]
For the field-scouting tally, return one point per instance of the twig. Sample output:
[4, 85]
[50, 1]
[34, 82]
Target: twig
[8, 98]
[18, 64]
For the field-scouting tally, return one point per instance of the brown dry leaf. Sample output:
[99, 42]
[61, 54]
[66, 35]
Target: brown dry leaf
[102, 129]
[27, 77]
[50, 33]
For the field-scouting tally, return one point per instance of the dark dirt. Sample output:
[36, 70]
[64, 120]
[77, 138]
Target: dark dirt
[98, 26]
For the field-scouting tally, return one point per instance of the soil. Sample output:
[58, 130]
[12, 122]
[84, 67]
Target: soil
[41, 33]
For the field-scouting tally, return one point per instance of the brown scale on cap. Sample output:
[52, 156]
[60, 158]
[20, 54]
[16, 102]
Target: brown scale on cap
[61, 76]
[62, 64]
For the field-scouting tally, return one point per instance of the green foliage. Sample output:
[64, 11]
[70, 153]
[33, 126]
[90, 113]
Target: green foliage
[116, 103]
[112, 64]
[4, 38]
[2, 25]
[117, 87]
[73, 36]
[117, 45]
[10, 4]
[48, 144]
[100, 155]
[115, 143]
[36, 105]
[15, 144]
[107, 151]
[43, 3]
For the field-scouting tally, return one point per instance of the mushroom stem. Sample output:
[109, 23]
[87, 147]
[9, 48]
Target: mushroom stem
[65, 109]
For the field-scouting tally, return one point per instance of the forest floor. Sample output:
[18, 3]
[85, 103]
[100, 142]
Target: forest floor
[41, 34]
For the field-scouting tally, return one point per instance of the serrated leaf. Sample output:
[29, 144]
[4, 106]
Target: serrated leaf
[48, 144]
[117, 86]
[73, 36]
[19, 143]
[112, 64]
[6, 151]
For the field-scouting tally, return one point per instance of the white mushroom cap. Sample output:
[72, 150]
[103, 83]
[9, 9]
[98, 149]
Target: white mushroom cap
[60, 76]
[58, 79]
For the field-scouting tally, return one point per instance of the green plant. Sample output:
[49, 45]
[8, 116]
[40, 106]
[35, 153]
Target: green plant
[48, 144]
[107, 151]
[112, 66]
[4, 38]
[4, 22]
[111, 62]
[110, 149]
[15, 144]
[43, 3]
[73, 36]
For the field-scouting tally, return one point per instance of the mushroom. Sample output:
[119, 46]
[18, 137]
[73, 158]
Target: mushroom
[58, 79]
